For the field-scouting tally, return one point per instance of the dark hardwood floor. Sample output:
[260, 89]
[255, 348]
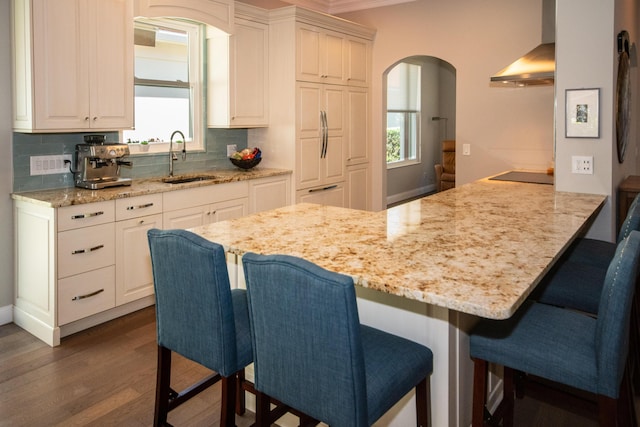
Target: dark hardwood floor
[105, 376]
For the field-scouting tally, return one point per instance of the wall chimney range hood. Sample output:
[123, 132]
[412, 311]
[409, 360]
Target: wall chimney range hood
[537, 67]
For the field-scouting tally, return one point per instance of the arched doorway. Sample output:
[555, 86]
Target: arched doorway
[419, 95]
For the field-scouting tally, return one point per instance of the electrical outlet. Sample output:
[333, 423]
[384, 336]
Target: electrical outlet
[231, 148]
[582, 165]
[49, 165]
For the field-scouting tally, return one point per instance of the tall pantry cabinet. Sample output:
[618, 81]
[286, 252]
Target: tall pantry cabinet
[319, 106]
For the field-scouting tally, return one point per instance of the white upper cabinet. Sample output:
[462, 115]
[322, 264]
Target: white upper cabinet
[73, 65]
[238, 75]
[326, 56]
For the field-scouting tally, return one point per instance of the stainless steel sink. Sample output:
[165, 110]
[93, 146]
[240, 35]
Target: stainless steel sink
[186, 178]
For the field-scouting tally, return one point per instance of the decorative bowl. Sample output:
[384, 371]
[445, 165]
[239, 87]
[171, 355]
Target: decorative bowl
[246, 164]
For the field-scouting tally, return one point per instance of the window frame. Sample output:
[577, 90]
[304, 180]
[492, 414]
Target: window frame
[197, 74]
[407, 141]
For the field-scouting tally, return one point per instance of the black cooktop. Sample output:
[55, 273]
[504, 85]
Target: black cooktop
[530, 177]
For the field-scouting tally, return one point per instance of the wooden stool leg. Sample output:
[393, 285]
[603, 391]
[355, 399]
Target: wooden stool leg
[480, 368]
[423, 416]
[241, 404]
[163, 386]
[508, 398]
[263, 410]
[607, 411]
[227, 415]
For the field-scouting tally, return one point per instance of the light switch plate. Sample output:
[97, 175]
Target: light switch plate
[231, 148]
[49, 165]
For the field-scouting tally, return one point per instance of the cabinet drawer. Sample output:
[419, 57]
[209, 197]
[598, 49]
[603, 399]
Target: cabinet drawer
[86, 294]
[133, 207]
[85, 215]
[86, 249]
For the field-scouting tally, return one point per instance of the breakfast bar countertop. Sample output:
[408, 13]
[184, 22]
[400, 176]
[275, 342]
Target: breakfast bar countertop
[60, 197]
[479, 248]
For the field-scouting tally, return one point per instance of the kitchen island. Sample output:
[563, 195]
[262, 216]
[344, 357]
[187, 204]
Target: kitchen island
[427, 269]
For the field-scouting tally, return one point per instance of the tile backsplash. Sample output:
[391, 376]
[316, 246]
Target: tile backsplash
[145, 165]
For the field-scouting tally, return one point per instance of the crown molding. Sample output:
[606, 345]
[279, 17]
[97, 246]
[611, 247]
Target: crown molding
[342, 6]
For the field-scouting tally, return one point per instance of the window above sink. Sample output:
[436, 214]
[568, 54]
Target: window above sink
[169, 90]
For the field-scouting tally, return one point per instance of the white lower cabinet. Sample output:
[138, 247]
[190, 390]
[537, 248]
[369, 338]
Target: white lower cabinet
[81, 265]
[269, 193]
[134, 217]
[205, 205]
[358, 188]
[201, 215]
[134, 278]
[331, 195]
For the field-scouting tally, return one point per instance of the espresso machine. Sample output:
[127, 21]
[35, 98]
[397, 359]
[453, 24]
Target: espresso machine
[98, 163]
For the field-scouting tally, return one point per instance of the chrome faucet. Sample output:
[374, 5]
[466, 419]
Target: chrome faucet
[172, 155]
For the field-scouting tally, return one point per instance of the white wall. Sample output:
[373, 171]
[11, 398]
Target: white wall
[6, 171]
[506, 127]
[594, 33]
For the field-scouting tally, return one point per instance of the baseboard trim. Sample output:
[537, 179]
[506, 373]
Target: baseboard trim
[6, 314]
[394, 198]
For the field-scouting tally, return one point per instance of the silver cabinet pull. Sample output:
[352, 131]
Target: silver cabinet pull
[87, 215]
[92, 294]
[82, 251]
[325, 134]
[314, 190]
[146, 205]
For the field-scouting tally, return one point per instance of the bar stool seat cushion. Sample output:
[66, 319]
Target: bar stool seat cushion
[597, 253]
[527, 342]
[575, 285]
[387, 382]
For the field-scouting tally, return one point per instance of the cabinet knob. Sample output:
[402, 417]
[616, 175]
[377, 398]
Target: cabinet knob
[86, 118]
[95, 118]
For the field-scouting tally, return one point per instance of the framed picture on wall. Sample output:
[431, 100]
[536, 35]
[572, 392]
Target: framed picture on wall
[583, 113]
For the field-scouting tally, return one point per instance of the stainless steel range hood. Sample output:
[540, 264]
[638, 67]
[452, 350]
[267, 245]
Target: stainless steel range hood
[538, 66]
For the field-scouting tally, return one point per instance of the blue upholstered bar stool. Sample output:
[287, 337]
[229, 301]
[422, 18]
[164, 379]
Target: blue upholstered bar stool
[199, 317]
[312, 354]
[576, 280]
[564, 346]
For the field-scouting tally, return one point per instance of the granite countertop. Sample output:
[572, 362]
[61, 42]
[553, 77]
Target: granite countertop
[60, 197]
[480, 248]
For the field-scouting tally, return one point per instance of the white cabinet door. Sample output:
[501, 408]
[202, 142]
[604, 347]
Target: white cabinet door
[79, 55]
[111, 59]
[358, 186]
[184, 218]
[320, 55]
[358, 58]
[60, 74]
[201, 215]
[358, 131]
[238, 76]
[320, 128]
[134, 278]
[269, 193]
[230, 209]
